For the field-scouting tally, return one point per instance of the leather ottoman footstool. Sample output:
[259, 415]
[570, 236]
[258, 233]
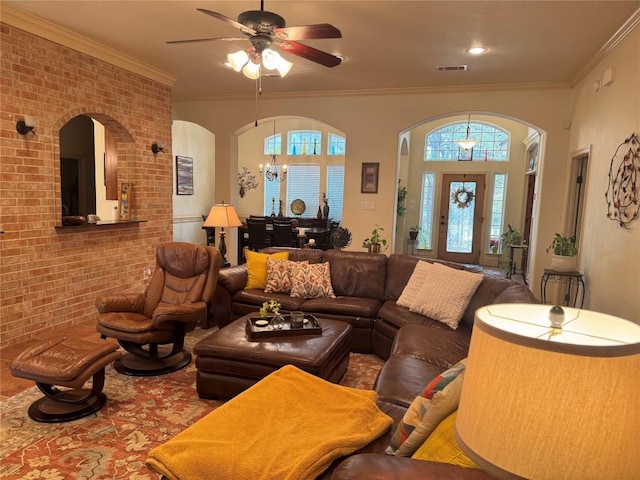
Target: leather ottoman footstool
[228, 363]
[70, 363]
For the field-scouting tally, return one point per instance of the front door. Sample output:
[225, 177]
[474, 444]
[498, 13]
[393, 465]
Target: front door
[461, 218]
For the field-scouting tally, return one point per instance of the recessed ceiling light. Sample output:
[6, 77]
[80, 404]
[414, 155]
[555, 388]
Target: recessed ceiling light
[476, 50]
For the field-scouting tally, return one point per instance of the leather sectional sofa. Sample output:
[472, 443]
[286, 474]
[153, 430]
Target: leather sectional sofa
[367, 286]
[416, 348]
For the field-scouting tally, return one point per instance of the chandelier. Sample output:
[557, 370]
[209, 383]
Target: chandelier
[250, 63]
[467, 143]
[272, 170]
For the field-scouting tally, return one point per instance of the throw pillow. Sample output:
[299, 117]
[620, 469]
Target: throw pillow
[279, 275]
[441, 446]
[412, 288]
[257, 267]
[445, 294]
[311, 281]
[438, 400]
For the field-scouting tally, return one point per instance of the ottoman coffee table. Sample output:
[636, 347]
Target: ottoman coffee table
[228, 363]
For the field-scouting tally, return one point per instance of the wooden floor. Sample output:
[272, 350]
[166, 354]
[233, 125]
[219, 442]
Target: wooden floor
[10, 385]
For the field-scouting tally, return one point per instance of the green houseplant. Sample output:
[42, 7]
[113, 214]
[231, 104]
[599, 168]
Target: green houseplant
[564, 253]
[375, 241]
[511, 237]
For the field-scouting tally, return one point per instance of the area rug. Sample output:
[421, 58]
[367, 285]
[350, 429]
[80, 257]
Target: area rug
[141, 413]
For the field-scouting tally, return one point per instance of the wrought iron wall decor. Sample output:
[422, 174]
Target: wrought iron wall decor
[623, 192]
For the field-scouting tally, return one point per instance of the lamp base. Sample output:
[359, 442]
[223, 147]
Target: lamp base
[223, 250]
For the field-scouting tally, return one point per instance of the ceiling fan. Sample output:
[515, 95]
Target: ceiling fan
[264, 29]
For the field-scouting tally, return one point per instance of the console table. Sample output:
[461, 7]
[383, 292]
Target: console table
[571, 280]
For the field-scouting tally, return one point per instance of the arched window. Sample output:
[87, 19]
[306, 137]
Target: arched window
[441, 144]
[304, 142]
[336, 144]
[273, 144]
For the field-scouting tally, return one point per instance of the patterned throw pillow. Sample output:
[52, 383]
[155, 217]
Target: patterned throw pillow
[441, 446]
[438, 400]
[257, 268]
[412, 288]
[279, 275]
[445, 294]
[311, 281]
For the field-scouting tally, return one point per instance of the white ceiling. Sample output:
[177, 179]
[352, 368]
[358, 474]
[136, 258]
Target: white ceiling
[385, 44]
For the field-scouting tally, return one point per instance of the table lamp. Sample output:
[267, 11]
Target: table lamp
[551, 402]
[222, 215]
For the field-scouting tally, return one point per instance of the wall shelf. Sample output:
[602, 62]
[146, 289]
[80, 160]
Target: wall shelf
[101, 223]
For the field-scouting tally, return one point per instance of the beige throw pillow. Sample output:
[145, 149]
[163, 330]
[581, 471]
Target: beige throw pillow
[412, 288]
[445, 294]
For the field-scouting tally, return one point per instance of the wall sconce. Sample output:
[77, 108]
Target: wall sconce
[26, 125]
[155, 148]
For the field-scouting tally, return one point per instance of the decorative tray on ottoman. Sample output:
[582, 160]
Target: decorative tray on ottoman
[258, 332]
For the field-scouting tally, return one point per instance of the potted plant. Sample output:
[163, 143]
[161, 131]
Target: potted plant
[413, 232]
[564, 253]
[375, 241]
[511, 237]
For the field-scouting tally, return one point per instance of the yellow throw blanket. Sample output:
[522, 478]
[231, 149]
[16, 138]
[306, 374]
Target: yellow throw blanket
[290, 425]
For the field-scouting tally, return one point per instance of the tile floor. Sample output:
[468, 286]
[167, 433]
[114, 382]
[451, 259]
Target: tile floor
[10, 385]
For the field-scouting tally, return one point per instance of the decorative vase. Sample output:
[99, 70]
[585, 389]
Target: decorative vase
[242, 192]
[319, 215]
[325, 211]
[374, 248]
[561, 263]
[413, 234]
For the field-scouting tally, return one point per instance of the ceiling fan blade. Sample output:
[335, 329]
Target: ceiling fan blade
[243, 28]
[310, 53]
[308, 32]
[194, 40]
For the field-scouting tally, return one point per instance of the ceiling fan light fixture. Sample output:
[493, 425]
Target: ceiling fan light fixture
[283, 66]
[238, 60]
[251, 70]
[270, 59]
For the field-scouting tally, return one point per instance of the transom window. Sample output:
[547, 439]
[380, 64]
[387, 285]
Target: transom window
[304, 142]
[273, 144]
[441, 144]
[336, 144]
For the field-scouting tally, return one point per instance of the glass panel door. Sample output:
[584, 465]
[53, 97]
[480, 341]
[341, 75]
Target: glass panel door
[461, 218]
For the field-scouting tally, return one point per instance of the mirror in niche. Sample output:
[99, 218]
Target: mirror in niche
[88, 169]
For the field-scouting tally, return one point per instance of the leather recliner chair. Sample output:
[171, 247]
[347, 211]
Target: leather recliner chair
[175, 301]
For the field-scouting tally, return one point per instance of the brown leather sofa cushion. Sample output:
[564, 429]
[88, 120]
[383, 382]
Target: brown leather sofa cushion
[357, 274]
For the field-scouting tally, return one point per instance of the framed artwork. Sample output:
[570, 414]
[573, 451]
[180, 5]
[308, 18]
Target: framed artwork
[370, 177]
[125, 200]
[184, 175]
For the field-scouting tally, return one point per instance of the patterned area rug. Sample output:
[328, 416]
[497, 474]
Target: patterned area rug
[140, 414]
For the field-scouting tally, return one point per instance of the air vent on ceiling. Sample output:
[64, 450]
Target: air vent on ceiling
[452, 68]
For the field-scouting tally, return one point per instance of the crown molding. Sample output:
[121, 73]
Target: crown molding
[623, 32]
[494, 87]
[42, 28]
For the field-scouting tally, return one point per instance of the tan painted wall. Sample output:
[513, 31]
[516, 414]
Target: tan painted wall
[609, 254]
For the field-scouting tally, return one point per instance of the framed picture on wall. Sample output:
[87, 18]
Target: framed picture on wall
[370, 177]
[184, 175]
[125, 200]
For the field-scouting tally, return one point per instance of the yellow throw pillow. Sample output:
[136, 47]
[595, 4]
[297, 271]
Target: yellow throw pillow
[441, 446]
[257, 267]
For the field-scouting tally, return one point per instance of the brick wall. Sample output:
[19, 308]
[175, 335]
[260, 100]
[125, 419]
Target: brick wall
[50, 277]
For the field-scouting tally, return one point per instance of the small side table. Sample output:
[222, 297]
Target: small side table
[523, 261]
[568, 278]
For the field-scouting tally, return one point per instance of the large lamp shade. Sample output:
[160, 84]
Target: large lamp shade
[552, 403]
[222, 215]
